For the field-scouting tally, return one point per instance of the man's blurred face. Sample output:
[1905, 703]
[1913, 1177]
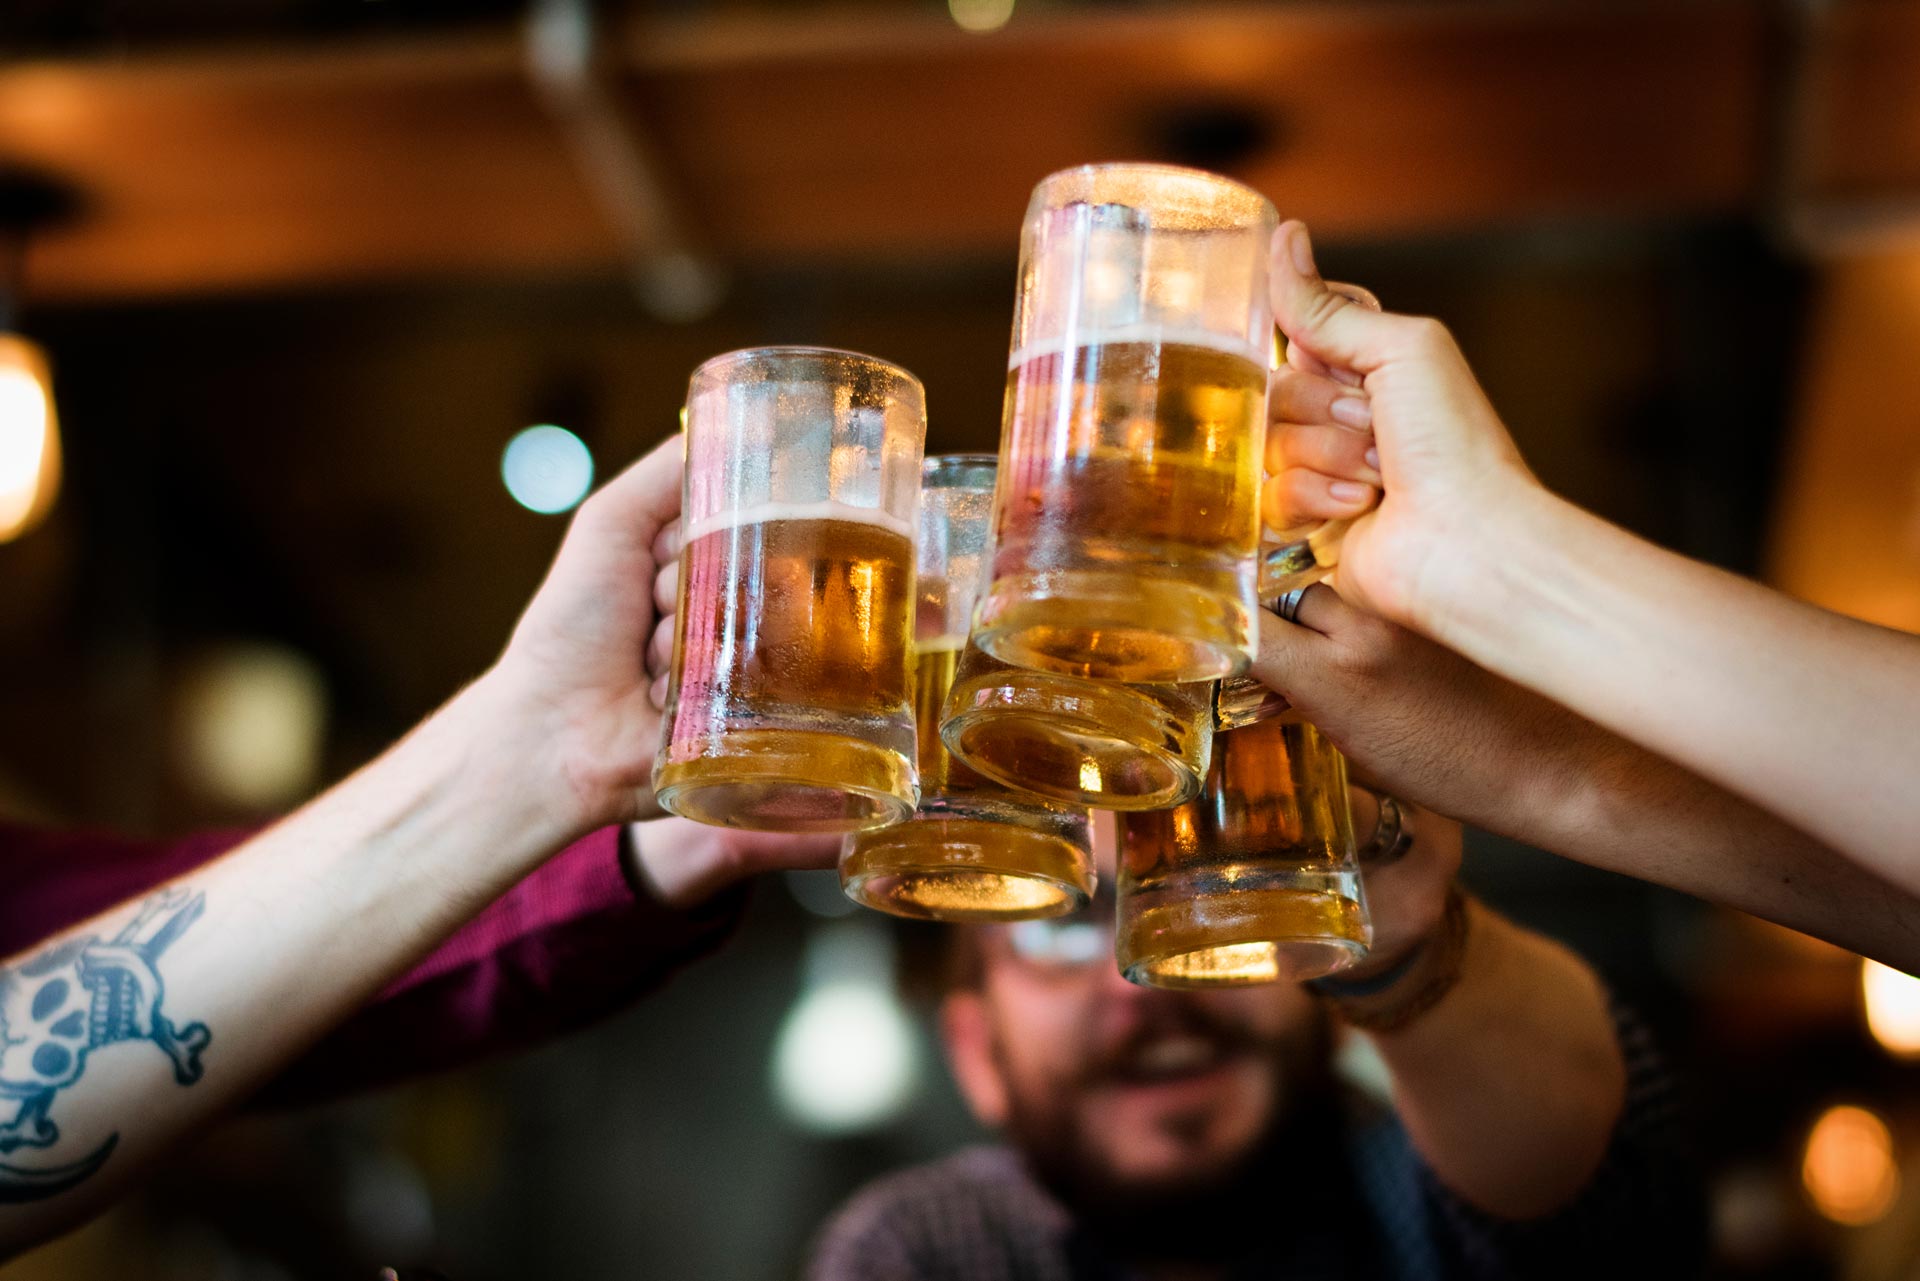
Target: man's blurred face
[1126, 1094]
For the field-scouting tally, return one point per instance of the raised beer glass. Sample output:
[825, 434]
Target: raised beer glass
[1127, 521]
[789, 706]
[1087, 742]
[1254, 881]
[973, 851]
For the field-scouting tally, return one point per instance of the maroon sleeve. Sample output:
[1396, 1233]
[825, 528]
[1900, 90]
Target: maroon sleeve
[572, 942]
[50, 880]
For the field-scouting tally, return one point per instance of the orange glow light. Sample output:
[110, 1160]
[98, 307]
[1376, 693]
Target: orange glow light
[29, 437]
[1893, 1008]
[1848, 1168]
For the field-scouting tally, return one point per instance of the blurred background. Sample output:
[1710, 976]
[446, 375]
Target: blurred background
[305, 271]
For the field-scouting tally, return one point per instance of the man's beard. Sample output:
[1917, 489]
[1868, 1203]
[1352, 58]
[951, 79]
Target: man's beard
[1210, 1214]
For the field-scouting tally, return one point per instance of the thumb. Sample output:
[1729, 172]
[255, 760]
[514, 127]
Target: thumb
[1340, 325]
[638, 502]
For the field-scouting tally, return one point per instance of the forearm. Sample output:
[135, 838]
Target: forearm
[1802, 712]
[246, 962]
[1512, 1085]
[1613, 805]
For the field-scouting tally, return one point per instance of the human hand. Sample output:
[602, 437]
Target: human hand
[1406, 896]
[1417, 719]
[1439, 458]
[666, 601]
[575, 667]
[685, 863]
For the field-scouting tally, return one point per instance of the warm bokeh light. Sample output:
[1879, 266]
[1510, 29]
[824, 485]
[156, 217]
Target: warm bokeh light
[547, 469]
[1849, 1169]
[1893, 1007]
[29, 437]
[980, 15]
[253, 724]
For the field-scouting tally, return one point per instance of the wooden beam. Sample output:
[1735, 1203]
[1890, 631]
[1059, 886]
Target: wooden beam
[1385, 119]
[890, 138]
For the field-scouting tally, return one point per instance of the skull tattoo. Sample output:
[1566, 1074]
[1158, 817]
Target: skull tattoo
[78, 996]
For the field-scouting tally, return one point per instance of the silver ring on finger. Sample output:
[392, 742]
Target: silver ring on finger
[1288, 606]
[1392, 834]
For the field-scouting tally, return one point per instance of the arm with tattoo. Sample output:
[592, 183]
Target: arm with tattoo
[128, 1032]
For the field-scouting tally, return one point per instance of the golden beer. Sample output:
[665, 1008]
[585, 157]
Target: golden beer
[792, 707]
[1127, 516]
[1256, 880]
[1110, 746]
[974, 851]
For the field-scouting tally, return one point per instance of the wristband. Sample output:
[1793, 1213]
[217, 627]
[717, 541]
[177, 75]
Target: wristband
[1337, 986]
[1438, 962]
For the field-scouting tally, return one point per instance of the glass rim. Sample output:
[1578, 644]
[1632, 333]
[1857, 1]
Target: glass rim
[802, 351]
[944, 471]
[1160, 170]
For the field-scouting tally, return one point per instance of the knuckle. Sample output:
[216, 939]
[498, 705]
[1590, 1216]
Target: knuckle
[1425, 335]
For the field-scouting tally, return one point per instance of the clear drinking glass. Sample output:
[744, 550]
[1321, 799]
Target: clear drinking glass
[974, 850]
[1254, 881]
[1127, 521]
[1097, 743]
[789, 706]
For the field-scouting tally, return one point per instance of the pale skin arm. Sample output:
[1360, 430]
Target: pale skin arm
[1805, 713]
[309, 919]
[1430, 727]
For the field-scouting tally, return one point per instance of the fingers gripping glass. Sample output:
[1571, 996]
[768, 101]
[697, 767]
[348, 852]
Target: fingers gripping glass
[788, 706]
[1301, 555]
[974, 850]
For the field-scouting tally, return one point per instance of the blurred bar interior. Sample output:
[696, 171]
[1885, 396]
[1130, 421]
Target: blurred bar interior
[344, 300]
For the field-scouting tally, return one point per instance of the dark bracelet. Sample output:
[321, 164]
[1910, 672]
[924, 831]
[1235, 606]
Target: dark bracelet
[1440, 958]
[1341, 987]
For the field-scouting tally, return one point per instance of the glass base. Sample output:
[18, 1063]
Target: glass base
[1107, 746]
[779, 780]
[968, 869]
[1205, 929]
[1116, 625]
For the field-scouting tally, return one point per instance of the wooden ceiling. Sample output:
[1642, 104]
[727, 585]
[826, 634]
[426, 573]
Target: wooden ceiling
[892, 135]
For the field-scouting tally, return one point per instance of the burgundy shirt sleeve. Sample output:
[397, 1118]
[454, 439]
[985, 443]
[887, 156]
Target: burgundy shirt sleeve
[572, 942]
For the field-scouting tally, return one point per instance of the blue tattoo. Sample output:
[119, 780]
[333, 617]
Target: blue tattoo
[77, 996]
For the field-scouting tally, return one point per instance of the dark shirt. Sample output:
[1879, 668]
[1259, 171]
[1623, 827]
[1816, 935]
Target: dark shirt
[981, 1215]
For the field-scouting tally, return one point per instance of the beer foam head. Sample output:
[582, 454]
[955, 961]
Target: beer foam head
[762, 513]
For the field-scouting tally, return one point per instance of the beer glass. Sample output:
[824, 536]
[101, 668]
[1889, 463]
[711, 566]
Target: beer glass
[973, 851]
[1087, 742]
[788, 707]
[1254, 881]
[1127, 521]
